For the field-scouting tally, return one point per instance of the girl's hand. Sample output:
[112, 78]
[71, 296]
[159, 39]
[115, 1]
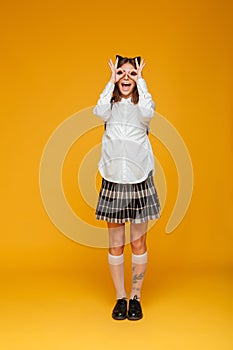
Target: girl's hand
[117, 73]
[135, 74]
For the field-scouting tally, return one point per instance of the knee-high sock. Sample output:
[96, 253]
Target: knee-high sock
[116, 264]
[139, 263]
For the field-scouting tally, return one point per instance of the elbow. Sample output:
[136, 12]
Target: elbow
[95, 110]
[101, 112]
[147, 114]
[147, 110]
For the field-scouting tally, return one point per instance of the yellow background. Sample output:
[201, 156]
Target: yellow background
[55, 293]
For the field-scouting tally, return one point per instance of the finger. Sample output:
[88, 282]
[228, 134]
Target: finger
[110, 63]
[133, 72]
[120, 69]
[136, 61]
[116, 64]
[120, 73]
[119, 77]
[134, 78]
[142, 64]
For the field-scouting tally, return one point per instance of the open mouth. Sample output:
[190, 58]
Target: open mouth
[125, 86]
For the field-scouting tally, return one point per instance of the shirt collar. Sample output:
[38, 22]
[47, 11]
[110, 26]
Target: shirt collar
[126, 100]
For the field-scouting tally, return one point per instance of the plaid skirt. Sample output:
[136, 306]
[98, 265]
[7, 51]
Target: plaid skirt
[135, 203]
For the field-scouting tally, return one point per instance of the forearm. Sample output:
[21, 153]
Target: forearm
[145, 103]
[103, 107]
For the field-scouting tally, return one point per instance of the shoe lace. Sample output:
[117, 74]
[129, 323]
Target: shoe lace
[135, 304]
[121, 304]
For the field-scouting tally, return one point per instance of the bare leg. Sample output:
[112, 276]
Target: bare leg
[116, 257]
[139, 257]
[116, 238]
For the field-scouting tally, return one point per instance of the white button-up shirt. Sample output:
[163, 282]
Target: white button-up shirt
[127, 155]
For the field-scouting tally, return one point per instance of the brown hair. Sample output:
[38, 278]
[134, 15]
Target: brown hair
[116, 96]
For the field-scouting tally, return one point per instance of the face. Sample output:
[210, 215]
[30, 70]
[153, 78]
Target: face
[126, 84]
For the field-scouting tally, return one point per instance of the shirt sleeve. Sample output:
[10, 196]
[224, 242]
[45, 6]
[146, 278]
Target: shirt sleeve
[103, 107]
[145, 103]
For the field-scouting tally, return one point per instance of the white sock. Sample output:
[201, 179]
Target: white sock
[116, 264]
[139, 263]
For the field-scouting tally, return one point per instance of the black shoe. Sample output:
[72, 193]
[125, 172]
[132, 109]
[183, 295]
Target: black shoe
[120, 309]
[135, 310]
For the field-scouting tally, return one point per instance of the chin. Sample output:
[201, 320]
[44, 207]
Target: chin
[126, 94]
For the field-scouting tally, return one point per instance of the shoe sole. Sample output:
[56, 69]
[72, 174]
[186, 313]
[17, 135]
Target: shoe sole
[134, 318]
[119, 318]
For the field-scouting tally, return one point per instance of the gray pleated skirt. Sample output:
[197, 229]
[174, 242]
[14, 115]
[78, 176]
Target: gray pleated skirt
[136, 203]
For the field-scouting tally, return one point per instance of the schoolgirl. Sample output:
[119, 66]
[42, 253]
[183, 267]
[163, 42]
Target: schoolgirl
[127, 193]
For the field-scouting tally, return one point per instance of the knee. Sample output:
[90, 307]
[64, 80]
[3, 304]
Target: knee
[138, 246]
[116, 250]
